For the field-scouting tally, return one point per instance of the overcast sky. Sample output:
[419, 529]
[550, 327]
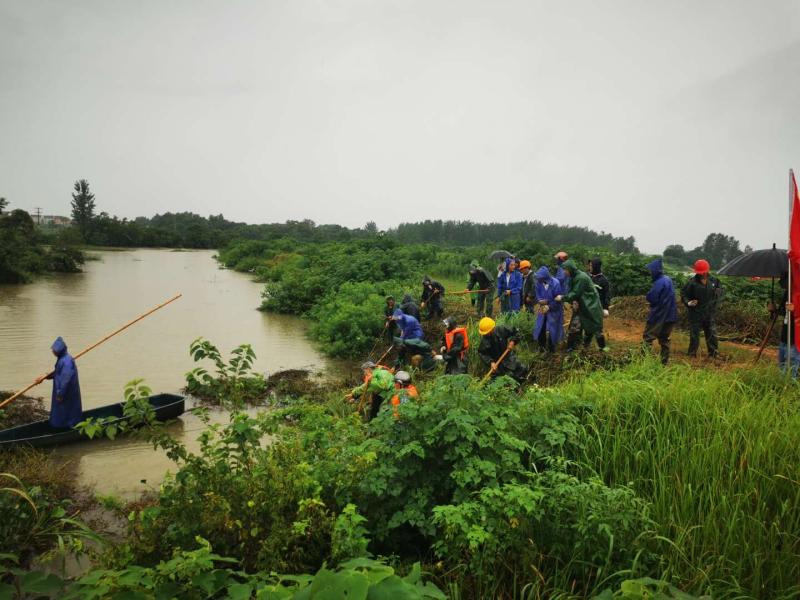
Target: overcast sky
[665, 120]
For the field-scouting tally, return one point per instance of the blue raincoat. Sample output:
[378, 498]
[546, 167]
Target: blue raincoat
[410, 329]
[510, 281]
[67, 412]
[663, 308]
[554, 318]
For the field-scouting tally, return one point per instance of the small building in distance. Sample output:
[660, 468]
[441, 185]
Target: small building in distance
[55, 221]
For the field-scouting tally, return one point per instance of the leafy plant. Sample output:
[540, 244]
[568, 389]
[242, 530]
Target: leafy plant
[233, 383]
[136, 412]
[201, 573]
[349, 536]
[33, 522]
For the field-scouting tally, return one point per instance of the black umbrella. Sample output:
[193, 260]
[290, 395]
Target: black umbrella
[759, 263]
[771, 263]
[500, 255]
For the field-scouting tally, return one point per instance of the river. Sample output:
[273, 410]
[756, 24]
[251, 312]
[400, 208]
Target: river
[217, 304]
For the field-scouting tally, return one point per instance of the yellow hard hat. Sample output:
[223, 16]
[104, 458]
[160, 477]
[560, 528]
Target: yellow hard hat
[525, 264]
[486, 326]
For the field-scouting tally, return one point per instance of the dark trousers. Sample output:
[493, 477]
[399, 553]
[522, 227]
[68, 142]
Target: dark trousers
[588, 337]
[375, 405]
[456, 366]
[660, 332]
[709, 330]
[545, 343]
[573, 331]
[484, 304]
[434, 306]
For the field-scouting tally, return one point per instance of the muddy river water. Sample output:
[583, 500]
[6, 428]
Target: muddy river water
[217, 304]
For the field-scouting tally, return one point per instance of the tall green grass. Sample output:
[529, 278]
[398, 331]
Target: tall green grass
[717, 454]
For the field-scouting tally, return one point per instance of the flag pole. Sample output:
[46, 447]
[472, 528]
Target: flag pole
[790, 317]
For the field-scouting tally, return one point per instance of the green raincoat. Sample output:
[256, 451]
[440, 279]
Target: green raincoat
[583, 291]
[381, 382]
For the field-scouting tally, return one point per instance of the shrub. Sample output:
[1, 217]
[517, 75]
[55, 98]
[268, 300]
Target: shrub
[471, 475]
[349, 321]
[233, 383]
[258, 504]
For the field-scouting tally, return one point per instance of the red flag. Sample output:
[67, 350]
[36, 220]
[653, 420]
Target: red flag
[794, 253]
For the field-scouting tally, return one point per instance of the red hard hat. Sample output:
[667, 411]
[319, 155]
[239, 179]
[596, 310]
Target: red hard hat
[701, 267]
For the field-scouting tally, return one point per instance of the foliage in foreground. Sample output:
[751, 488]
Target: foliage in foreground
[200, 573]
[593, 487]
[33, 521]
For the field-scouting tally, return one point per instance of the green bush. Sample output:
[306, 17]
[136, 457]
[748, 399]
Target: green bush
[258, 504]
[233, 383]
[459, 461]
[348, 322]
[34, 521]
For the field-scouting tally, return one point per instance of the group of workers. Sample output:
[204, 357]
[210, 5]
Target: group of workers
[516, 287]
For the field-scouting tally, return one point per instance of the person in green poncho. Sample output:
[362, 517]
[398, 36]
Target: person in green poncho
[378, 384]
[590, 310]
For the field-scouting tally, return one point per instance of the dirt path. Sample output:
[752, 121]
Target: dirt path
[629, 332]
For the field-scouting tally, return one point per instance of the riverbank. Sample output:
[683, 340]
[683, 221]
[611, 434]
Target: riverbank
[592, 481]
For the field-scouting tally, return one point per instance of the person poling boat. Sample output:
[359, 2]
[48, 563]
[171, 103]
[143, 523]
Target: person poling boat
[65, 403]
[52, 374]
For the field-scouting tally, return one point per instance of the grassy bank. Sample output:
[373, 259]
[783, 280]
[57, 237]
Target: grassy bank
[717, 456]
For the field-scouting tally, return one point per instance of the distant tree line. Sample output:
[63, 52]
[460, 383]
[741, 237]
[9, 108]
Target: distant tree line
[465, 233]
[190, 230]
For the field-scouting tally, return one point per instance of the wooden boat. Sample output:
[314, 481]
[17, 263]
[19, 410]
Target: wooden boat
[41, 434]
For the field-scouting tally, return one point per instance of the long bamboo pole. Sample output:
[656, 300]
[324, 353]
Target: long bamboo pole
[468, 292]
[93, 346]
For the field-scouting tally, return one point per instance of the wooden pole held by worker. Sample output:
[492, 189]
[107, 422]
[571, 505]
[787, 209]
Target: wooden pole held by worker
[496, 364]
[93, 346]
[385, 354]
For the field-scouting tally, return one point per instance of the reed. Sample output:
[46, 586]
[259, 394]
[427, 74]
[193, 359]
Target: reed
[717, 455]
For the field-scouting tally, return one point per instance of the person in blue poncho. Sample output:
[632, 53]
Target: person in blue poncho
[65, 406]
[550, 314]
[410, 329]
[411, 342]
[509, 287]
[663, 310]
